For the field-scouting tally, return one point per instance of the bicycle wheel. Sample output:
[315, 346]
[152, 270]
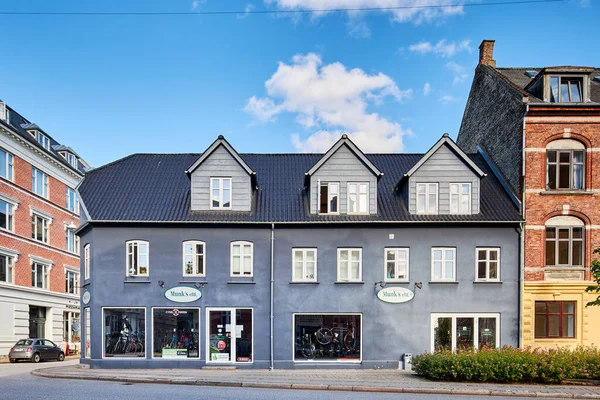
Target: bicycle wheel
[349, 340]
[308, 352]
[323, 336]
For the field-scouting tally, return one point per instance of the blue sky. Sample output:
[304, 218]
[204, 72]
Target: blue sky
[109, 86]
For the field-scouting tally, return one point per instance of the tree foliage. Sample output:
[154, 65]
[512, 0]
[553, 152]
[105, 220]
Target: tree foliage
[595, 288]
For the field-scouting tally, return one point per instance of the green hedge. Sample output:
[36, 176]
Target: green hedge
[511, 365]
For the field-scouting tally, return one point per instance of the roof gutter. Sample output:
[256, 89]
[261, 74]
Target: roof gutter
[522, 225]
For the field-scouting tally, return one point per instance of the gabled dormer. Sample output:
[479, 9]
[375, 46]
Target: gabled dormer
[37, 134]
[444, 181]
[561, 84]
[220, 180]
[343, 181]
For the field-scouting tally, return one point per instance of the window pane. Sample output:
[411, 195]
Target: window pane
[540, 326]
[236, 249]
[481, 269]
[125, 333]
[344, 270]
[577, 253]
[494, 255]
[568, 326]
[564, 91]
[247, 249]
[577, 233]
[247, 266]
[437, 254]
[551, 156]
[568, 308]
[554, 89]
[553, 307]
[563, 178]
[236, 265]
[553, 325]
[355, 255]
[449, 254]
[355, 270]
[449, 270]
[551, 178]
[324, 199]
[344, 255]
[310, 270]
[487, 332]
[464, 333]
[390, 270]
[550, 233]
[563, 253]
[565, 157]
[420, 189]
[216, 183]
[421, 199]
[327, 337]
[176, 333]
[390, 255]
[243, 334]
[437, 270]
[493, 270]
[226, 183]
[442, 334]
[575, 92]
[482, 255]
[226, 197]
[216, 202]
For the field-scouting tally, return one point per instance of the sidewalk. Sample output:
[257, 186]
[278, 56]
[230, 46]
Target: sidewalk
[345, 380]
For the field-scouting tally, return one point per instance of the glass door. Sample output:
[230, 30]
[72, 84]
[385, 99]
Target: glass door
[229, 335]
[219, 336]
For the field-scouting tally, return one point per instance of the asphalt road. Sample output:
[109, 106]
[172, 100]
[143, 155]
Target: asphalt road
[21, 385]
[7, 369]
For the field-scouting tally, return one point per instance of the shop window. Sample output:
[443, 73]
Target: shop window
[7, 263]
[71, 281]
[39, 227]
[7, 215]
[443, 264]
[554, 319]
[124, 332]
[396, 264]
[460, 198]
[39, 275]
[220, 193]
[39, 182]
[349, 265]
[88, 334]
[230, 335]
[304, 265]
[427, 198]
[71, 328]
[6, 165]
[242, 259]
[137, 258]
[488, 264]
[329, 194]
[564, 242]
[176, 333]
[327, 337]
[194, 258]
[464, 331]
[358, 198]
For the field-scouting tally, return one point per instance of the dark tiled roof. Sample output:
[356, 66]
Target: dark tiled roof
[519, 77]
[154, 187]
[19, 124]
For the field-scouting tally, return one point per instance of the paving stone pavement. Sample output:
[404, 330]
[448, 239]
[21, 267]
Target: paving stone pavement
[345, 380]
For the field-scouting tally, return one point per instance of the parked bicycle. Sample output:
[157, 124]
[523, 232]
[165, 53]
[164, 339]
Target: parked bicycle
[328, 336]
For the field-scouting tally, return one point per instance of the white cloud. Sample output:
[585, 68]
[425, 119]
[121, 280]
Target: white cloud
[331, 100]
[427, 13]
[196, 4]
[443, 48]
[459, 72]
[426, 89]
[447, 99]
[249, 7]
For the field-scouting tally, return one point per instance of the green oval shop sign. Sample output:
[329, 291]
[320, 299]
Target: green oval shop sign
[182, 294]
[395, 295]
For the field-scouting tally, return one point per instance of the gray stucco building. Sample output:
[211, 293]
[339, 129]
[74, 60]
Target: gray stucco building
[296, 260]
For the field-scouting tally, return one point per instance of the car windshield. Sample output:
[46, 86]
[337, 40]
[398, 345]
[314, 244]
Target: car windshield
[24, 342]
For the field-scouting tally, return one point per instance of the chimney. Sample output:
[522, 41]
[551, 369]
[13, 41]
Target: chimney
[486, 53]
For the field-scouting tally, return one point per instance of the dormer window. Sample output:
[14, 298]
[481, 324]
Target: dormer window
[220, 193]
[70, 157]
[427, 198]
[358, 198]
[41, 138]
[566, 89]
[329, 194]
[460, 198]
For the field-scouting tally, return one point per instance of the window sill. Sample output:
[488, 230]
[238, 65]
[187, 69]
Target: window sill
[487, 282]
[200, 279]
[349, 282]
[304, 282]
[396, 282]
[566, 193]
[444, 282]
[135, 279]
[241, 282]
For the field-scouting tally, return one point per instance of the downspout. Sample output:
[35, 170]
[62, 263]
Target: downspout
[272, 293]
[522, 244]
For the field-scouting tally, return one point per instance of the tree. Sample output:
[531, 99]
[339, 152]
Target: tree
[595, 269]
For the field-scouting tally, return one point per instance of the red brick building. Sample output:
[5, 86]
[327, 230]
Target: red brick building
[39, 251]
[541, 128]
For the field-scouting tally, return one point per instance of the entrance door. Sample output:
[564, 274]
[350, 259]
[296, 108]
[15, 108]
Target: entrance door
[229, 335]
[37, 322]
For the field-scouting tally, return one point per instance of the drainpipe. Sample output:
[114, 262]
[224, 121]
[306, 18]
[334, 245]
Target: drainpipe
[272, 293]
[522, 244]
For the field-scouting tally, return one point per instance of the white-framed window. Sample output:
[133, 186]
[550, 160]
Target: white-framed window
[72, 240]
[349, 265]
[39, 227]
[6, 165]
[327, 337]
[39, 275]
[242, 258]
[124, 332]
[43, 140]
[39, 182]
[329, 197]
[464, 331]
[427, 198]
[71, 281]
[72, 203]
[304, 263]
[7, 268]
[71, 159]
[194, 258]
[7, 215]
[137, 258]
[443, 264]
[229, 335]
[488, 264]
[86, 261]
[396, 264]
[175, 333]
[220, 193]
[460, 198]
[88, 335]
[358, 197]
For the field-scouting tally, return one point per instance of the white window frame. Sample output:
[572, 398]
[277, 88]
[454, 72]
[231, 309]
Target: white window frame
[475, 316]
[128, 253]
[11, 207]
[11, 260]
[86, 261]
[304, 261]
[46, 280]
[487, 264]
[71, 159]
[329, 198]
[221, 190]
[76, 284]
[194, 257]
[242, 244]
[427, 194]
[87, 341]
[72, 205]
[145, 334]
[358, 201]
[232, 343]
[443, 261]
[199, 333]
[34, 182]
[349, 266]
[396, 262]
[10, 165]
[46, 222]
[74, 242]
[43, 140]
[456, 198]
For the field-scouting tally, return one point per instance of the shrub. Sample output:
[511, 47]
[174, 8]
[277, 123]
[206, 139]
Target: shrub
[511, 365]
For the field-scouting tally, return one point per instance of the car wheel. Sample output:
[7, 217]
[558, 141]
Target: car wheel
[12, 360]
[61, 357]
[36, 358]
